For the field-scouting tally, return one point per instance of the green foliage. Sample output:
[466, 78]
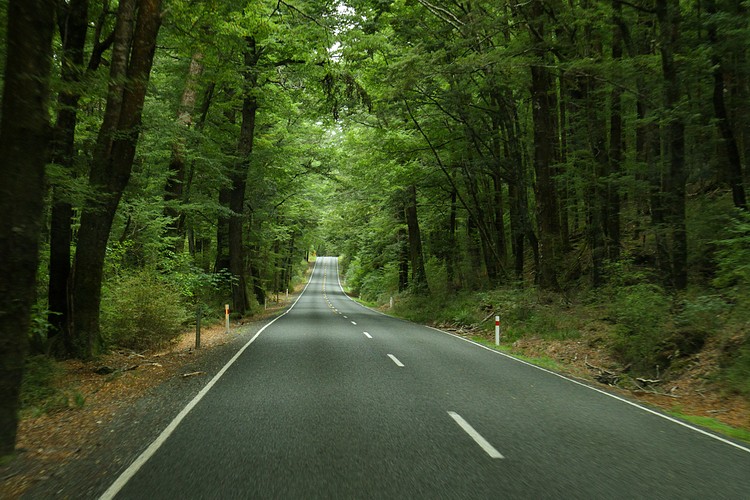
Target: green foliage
[733, 257]
[704, 313]
[521, 312]
[737, 374]
[141, 311]
[39, 376]
[39, 391]
[39, 328]
[194, 285]
[708, 220]
[642, 312]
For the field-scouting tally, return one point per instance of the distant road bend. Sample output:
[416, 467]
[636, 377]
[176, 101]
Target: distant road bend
[333, 400]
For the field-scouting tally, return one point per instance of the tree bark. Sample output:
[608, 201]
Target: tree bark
[450, 251]
[132, 57]
[545, 138]
[418, 274]
[668, 15]
[402, 242]
[239, 177]
[174, 188]
[733, 166]
[612, 223]
[72, 22]
[24, 138]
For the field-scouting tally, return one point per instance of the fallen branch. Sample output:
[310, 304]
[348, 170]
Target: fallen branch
[491, 314]
[648, 381]
[646, 385]
[192, 374]
[602, 374]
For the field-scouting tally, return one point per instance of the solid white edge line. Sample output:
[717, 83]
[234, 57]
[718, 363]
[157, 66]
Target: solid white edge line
[614, 396]
[478, 438]
[600, 391]
[395, 360]
[367, 335]
[134, 467]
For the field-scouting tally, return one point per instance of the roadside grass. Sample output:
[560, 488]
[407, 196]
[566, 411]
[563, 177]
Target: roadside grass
[712, 424]
[542, 362]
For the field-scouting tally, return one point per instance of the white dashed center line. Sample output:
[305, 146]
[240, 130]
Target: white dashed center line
[486, 446]
[395, 360]
[367, 335]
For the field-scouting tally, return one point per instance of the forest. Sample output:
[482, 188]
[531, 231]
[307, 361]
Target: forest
[535, 159]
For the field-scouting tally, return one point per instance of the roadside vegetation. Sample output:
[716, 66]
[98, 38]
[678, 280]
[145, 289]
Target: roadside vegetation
[632, 332]
[647, 330]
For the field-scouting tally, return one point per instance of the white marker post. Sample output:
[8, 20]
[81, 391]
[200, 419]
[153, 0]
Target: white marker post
[226, 315]
[497, 330]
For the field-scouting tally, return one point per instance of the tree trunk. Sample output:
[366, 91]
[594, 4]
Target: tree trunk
[545, 138]
[668, 15]
[451, 250]
[517, 194]
[24, 137]
[498, 204]
[596, 194]
[132, 57]
[733, 171]
[612, 223]
[174, 189]
[418, 274]
[72, 20]
[222, 232]
[238, 177]
[546, 194]
[402, 242]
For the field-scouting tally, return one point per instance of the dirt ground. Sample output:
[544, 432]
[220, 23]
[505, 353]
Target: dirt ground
[691, 392]
[48, 441]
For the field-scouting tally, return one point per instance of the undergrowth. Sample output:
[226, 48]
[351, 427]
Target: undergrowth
[40, 393]
[650, 332]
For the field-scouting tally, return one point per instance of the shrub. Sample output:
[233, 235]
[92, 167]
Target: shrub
[39, 375]
[733, 256]
[141, 311]
[39, 389]
[379, 284]
[737, 374]
[641, 312]
[699, 318]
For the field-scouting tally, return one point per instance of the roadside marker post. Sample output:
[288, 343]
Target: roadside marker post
[198, 314]
[497, 330]
[226, 315]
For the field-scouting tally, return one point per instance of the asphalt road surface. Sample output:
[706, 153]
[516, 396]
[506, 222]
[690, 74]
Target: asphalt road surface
[333, 400]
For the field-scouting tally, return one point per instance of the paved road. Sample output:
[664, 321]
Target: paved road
[333, 400]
